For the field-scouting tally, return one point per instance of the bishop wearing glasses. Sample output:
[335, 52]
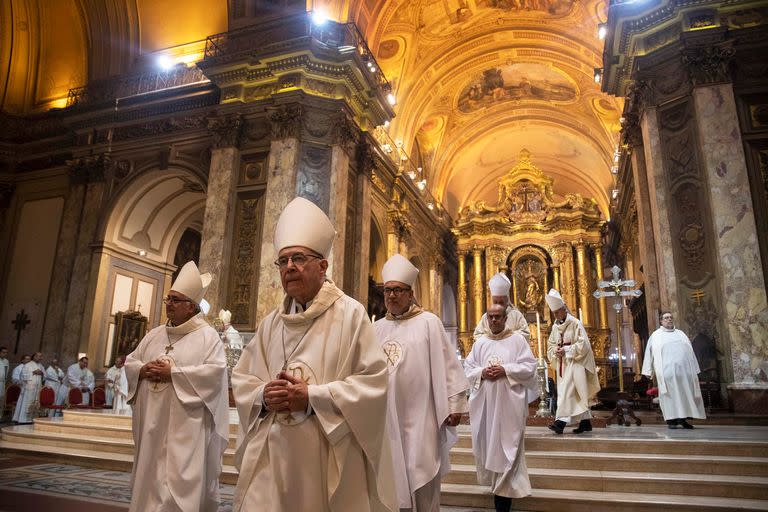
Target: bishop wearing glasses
[177, 383]
[311, 389]
[426, 390]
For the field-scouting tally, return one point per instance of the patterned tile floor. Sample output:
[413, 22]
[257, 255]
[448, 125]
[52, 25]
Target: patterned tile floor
[27, 485]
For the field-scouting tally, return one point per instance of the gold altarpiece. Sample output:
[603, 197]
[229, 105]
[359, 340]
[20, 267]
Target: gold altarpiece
[541, 240]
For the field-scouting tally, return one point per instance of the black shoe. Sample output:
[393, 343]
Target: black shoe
[686, 425]
[502, 503]
[672, 424]
[557, 427]
[584, 426]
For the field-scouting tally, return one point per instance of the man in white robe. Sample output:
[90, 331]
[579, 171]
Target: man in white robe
[4, 367]
[500, 285]
[310, 389]
[670, 358]
[570, 354]
[427, 390]
[80, 377]
[502, 372]
[32, 381]
[120, 396]
[54, 379]
[110, 378]
[177, 383]
[16, 374]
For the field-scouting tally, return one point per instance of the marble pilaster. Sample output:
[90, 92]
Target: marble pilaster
[741, 280]
[645, 236]
[72, 339]
[363, 242]
[281, 189]
[338, 212]
[477, 288]
[602, 307]
[218, 223]
[660, 210]
[66, 248]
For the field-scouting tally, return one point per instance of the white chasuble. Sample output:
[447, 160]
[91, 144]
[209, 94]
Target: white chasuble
[81, 378]
[515, 323]
[30, 390]
[181, 427]
[426, 384]
[670, 358]
[576, 374]
[109, 384]
[497, 412]
[336, 458]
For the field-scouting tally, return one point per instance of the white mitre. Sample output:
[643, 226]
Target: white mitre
[191, 282]
[205, 307]
[225, 316]
[554, 300]
[398, 268]
[303, 224]
[500, 285]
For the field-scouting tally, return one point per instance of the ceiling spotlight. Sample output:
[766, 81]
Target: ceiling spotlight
[391, 99]
[421, 184]
[386, 124]
[412, 174]
[598, 75]
[165, 62]
[373, 69]
[319, 18]
[431, 205]
[602, 31]
[615, 169]
[142, 252]
[615, 193]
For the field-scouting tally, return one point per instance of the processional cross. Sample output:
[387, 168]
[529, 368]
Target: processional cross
[21, 321]
[616, 288]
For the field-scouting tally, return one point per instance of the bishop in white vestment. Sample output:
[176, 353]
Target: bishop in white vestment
[426, 390]
[54, 379]
[111, 377]
[499, 286]
[177, 382]
[16, 374]
[570, 354]
[502, 373]
[310, 389]
[79, 376]
[670, 358]
[31, 383]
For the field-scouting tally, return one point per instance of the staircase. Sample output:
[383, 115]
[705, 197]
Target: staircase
[628, 469]
[612, 471]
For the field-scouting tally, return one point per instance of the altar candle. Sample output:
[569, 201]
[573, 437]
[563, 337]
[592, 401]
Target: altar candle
[580, 317]
[538, 335]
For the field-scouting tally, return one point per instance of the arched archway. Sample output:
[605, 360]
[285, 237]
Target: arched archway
[141, 233]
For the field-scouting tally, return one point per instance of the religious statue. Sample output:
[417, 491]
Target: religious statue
[532, 296]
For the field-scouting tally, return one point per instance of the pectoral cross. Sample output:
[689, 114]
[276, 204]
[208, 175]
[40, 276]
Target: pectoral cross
[21, 321]
[168, 348]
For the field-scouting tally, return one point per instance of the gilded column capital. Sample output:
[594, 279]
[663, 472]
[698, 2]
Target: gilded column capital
[89, 169]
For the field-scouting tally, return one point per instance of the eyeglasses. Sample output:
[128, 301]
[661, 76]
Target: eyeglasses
[395, 291]
[174, 300]
[299, 260]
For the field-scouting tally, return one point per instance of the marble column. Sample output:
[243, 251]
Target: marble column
[218, 222]
[363, 242]
[281, 189]
[660, 209]
[645, 235]
[602, 306]
[637, 347]
[462, 306]
[568, 277]
[585, 298]
[477, 289]
[741, 280]
[556, 277]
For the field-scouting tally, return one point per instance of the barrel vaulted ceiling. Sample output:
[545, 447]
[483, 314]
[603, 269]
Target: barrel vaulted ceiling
[476, 81]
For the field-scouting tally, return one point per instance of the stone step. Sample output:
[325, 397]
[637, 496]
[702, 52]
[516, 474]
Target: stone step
[549, 500]
[540, 440]
[65, 426]
[102, 418]
[46, 441]
[724, 486]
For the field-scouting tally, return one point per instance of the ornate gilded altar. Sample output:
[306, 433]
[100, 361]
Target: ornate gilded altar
[540, 239]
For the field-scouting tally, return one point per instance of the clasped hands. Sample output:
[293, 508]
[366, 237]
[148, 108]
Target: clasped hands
[156, 371]
[286, 394]
[494, 372]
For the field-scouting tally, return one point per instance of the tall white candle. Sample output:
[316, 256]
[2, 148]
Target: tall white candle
[580, 317]
[538, 335]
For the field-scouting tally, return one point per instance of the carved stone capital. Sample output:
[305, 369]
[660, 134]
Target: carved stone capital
[345, 132]
[88, 169]
[226, 131]
[286, 121]
[709, 64]
[399, 224]
[366, 159]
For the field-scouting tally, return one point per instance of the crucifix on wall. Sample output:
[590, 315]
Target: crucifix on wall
[19, 324]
